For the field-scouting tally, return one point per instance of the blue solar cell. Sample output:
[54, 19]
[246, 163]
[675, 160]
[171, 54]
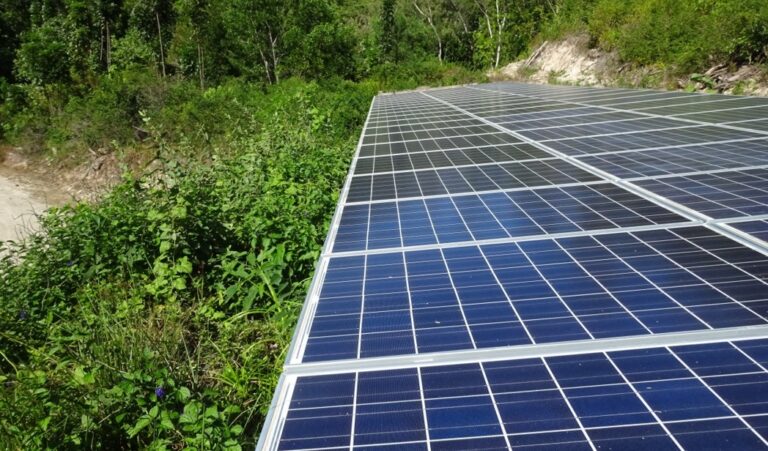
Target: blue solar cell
[581, 371]
[715, 359]
[747, 394]
[648, 365]
[722, 195]
[756, 349]
[759, 424]
[468, 297]
[683, 399]
[626, 399]
[483, 443]
[715, 434]
[538, 411]
[758, 229]
[435, 173]
[495, 215]
[561, 440]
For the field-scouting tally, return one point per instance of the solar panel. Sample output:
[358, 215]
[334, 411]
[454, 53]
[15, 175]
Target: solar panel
[498, 214]
[758, 229]
[709, 396]
[681, 160]
[693, 134]
[717, 195]
[540, 267]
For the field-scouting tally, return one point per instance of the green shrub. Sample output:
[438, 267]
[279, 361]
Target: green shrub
[159, 317]
[684, 36]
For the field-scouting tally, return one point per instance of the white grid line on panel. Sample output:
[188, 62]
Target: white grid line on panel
[643, 113]
[751, 242]
[526, 351]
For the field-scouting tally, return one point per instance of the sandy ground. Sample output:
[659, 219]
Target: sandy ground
[17, 208]
[21, 198]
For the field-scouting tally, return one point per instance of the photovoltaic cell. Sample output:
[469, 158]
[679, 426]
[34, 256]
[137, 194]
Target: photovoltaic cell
[367, 188]
[718, 195]
[647, 140]
[536, 292]
[759, 229]
[729, 115]
[488, 235]
[428, 144]
[435, 159]
[495, 215]
[602, 128]
[710, 396]
[760, 125]
[680, 160]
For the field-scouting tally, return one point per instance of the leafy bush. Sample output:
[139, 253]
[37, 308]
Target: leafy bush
[413, 74]
[682, 35]
[158, 317]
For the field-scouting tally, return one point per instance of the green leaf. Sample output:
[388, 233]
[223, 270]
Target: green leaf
[183, 266]
[190, 414]
[183, 394]
[143, 422]
[165, 421]
[179, 283]
[212, 412]
[43, 424]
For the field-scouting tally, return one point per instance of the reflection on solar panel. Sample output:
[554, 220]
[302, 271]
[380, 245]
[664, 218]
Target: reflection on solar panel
[542, 267]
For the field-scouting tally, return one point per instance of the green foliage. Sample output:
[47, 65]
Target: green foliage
[418, 73]
[158, 317]
[321, 45]
[43, 57]
[387, 30]
[681, 36]
[131, 52]
[14, 19]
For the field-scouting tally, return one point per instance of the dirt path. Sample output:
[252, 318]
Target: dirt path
[21, 197]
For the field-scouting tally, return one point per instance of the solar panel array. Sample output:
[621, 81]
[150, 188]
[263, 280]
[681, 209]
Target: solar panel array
[540, 267]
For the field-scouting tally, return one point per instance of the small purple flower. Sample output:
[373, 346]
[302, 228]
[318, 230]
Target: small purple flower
[70, 263]
[23, 315]
[160, 392]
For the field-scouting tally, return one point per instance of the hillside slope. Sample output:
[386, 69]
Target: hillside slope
[571, 60]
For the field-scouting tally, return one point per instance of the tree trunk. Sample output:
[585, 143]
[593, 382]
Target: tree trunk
[273, 46]
[101, 45]
[428, 16]
[501, 24]
[109, 47]
[439, 41]
[465, 26]
[266, 66]
[160, 38]
[200, 65]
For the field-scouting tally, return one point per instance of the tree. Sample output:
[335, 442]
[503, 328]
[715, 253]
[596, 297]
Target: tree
[428, 10]
[43, 58]
[199, 42]
[317, 43]
[256, 28]
[14, 21]
[462, 17]
[495, 15]
[153, 20]
[387, 31]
